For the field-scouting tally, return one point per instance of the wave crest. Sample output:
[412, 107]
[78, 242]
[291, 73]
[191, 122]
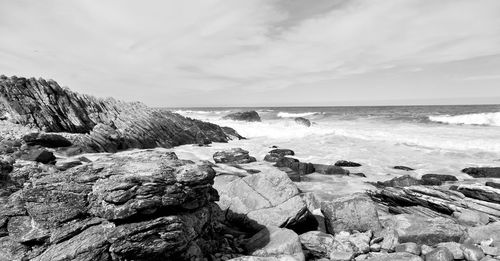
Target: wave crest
[487, 119]
[294, 115]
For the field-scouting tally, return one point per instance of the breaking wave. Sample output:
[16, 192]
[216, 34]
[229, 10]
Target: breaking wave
[486, 119]
[294, 115]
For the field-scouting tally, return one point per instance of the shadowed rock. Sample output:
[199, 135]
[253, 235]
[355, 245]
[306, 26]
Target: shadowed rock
[483, 172]
[303, 121]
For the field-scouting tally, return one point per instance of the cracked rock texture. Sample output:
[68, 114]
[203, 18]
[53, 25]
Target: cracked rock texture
[145, 205]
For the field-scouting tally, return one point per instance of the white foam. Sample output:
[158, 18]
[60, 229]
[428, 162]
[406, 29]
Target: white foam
[294, 115]
[489, 119]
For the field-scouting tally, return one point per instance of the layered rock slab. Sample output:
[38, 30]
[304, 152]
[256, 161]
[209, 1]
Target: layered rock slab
[100, 125]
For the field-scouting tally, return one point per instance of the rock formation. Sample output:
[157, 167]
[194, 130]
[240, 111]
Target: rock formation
[250, 116]
[100, 125]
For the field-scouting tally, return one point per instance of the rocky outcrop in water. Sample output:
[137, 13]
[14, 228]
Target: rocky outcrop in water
[100, 125]
[250, 116]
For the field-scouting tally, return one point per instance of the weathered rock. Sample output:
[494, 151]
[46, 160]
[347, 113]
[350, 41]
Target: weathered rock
[330, 169]
[282, 152]
[429, 231]
[483, 172]
[472, 253]
[361, 241]
[454, 248]
[354, 212]
[12, 250]
[274, 241]
[250, 116]
[317, 243]
[492, 251]
[471, 218]
[50, 140]
[439, 254]
[345, 163]
[390, 239]
[5, 168]
[487, 232]
[264, 199]
[493, 184]
[481, 192]
[24, 230]
[405, 168]
[234, 155]
[440, 177]
[100, 125]
[303, 121]
[409, 247]
[402, 181]
[39, 155]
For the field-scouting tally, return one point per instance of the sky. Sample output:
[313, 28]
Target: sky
[259, 52]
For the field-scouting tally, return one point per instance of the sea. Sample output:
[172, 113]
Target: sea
[429, 139]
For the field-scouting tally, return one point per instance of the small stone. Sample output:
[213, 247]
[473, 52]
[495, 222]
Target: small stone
[439, 254]
[375, 248]
[391, 239]
[454, 247]
[425, 249]
[409, 247]
[472, 253]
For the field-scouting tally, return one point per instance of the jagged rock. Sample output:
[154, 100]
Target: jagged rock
[405, 168]
[234, 155]
[12, 250]
[302, 121]
[330, 169]
[472, 253]
[353, 212]
[439, 254]
[50, 140]
[274, 241]
[394, 257]
[232, 134]
[300, 168]
[361, 241]
[24, 230]
[39, 155]
[454, 248]
[264, 199]
[431, 201]
[250, 116]
[481, 192]
[429, 231]
[492, 251]
[402, 181]
[409, 247]
[483, 172]
[100, 125]
[345, 163]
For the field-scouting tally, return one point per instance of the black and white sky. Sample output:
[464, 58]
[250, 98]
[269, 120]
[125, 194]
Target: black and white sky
[259, 52]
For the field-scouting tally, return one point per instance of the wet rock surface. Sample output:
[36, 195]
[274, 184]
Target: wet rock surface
[250, 116]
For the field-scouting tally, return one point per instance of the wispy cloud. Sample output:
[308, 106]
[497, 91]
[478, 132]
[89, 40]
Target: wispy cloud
[175, 48]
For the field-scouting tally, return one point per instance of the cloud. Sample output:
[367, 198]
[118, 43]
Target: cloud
[176, 48]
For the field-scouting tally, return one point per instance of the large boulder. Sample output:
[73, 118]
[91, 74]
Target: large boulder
[402, 181]
[140, 205]
[39, 155]
[250, 116]
[483, 172]
[485, 233]
[99, 125]
[330, 169]
[234, 155]
[422, 230]
[349, 213]
[264, 199]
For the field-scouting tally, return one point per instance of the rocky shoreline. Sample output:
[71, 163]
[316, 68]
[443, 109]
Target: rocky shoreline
[133, 198]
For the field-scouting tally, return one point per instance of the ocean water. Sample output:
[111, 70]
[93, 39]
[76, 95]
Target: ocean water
[430, 139]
